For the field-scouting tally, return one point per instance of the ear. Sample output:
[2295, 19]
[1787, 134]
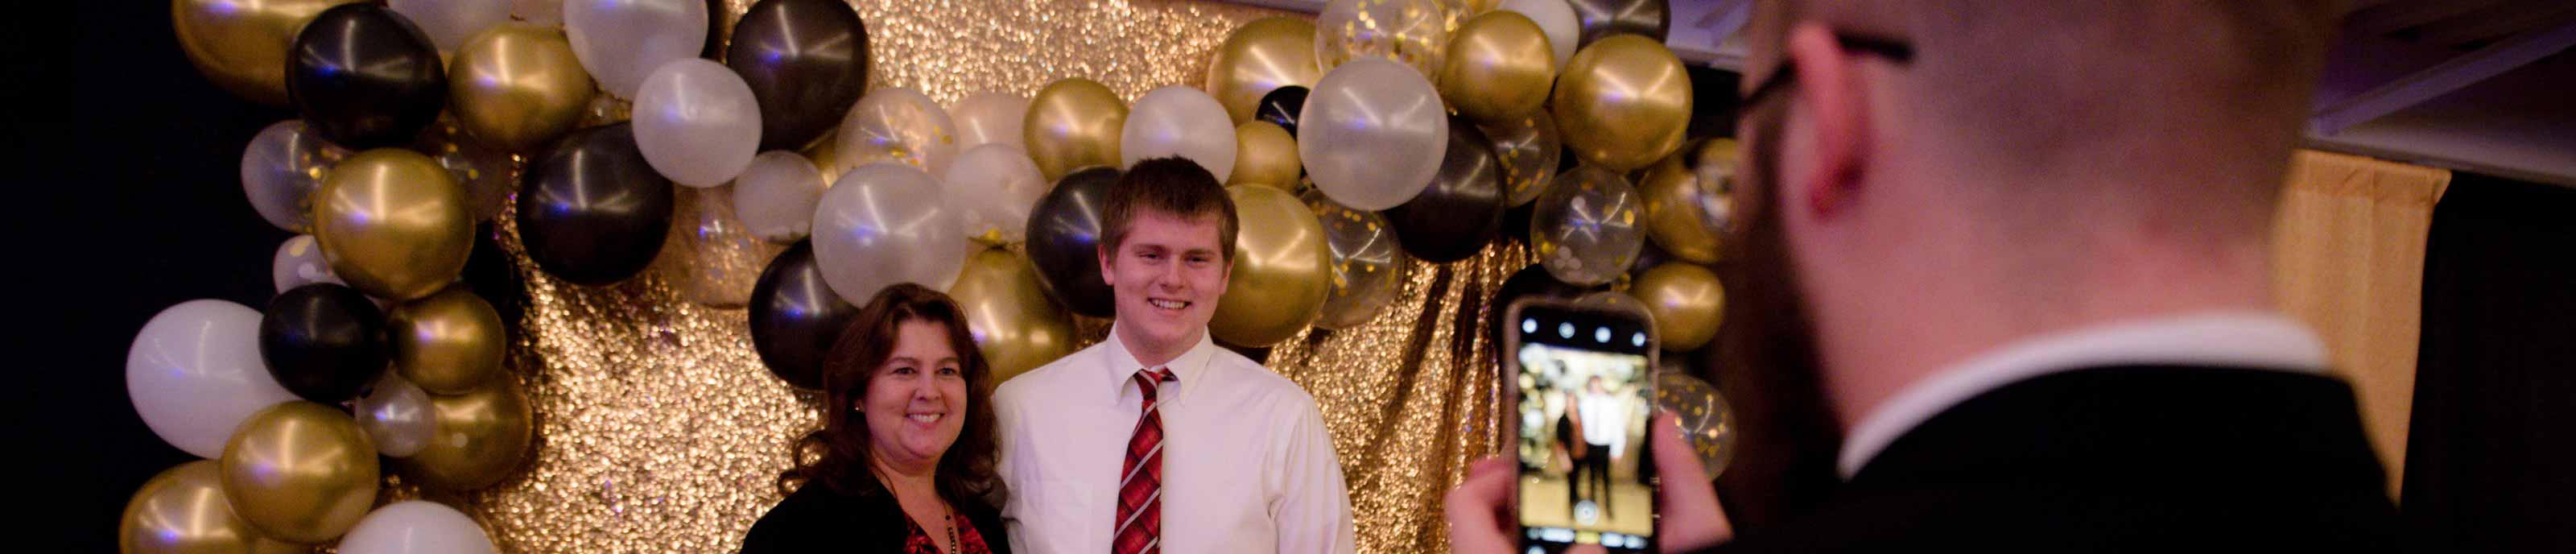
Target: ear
[1830, 99]
[1107, 274]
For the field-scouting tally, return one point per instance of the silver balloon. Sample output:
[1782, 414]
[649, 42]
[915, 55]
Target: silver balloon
[396, 416]
[697, 123]
[898, 125]
[1368, 265]
[989, 117]
[1705, 418]
[1554, 17]
[621, 41]
[1372, 134]
[282, 168]
[195, 373]
[299, 262]
[541, 12]
[1529, 150]
[993, 187]
[1178, 121]
[1584, 228]
[882, 224]
[449, 23]
[775, 197]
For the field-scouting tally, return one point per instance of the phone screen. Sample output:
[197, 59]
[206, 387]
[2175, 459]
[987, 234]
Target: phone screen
[1583, 405]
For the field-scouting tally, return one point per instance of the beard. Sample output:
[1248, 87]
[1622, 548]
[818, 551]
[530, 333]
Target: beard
[1770, 369]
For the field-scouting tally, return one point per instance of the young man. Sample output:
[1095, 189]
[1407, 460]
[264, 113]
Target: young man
[1156, 440]
[2015, 254]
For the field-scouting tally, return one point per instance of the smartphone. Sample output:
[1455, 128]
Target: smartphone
[1581, 375]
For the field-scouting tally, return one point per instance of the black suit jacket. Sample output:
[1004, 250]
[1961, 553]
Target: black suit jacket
[816, 519]
[2117, 459]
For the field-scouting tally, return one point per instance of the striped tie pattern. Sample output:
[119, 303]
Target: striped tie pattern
[1140, 482]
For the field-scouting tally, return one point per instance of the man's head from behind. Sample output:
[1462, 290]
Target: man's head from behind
[1166, 249]
[1927, 179]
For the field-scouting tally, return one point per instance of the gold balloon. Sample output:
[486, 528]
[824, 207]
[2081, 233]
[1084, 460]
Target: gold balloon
[1265, 155]
[1676, 191]
[241, 44]
[1263, 55]
[1703, 415]
[1498, 68]
[517, 86]
[1622, 102]
[1015, 324]
[1073, 124]
[300, 471]
[183, 511]
[482, 436]
[1282, 269]
[448, 343]
[393, 223]
[1687, 303]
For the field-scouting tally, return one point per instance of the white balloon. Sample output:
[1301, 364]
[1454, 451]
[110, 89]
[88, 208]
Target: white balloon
[282, 168]
[449, 23]
[416, 527]
[775, 197]
[195, 373]
[697, 123]
[1372, 134]
[882, 224]
[299, 262]
[1179, 121]
[993, 187]
[396, 416]
[899, 125]
[990, 117]
[620, 42]
[541, 12]
[1556, 19]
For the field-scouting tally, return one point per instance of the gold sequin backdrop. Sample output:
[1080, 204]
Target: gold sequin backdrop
[659, 431]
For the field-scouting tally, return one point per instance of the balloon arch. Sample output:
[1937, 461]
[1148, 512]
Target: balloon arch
[1380, 133]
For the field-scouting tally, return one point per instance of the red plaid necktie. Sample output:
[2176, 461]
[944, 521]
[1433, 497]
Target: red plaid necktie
[1140, 481]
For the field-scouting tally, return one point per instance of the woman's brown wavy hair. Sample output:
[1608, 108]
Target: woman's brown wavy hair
[839, 455]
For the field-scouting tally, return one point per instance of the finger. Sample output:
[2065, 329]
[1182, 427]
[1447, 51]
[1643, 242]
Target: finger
[1475, 509]
[1692, 518]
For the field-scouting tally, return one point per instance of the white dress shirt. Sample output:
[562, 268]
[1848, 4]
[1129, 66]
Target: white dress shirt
[1605, 420]
[1247, 466]
[2253, 339]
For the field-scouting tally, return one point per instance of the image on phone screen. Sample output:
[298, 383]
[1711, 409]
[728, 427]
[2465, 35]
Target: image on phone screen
[1583, 410]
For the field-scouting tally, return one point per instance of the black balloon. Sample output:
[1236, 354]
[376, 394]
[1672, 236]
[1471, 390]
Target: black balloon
[1601, 18]
[592, 211]
[795, 317]
[491, 275]
[365, 77]
[323, 341]
[806, 62]
[1282, 106]
[1462, 210]
[1064, 241]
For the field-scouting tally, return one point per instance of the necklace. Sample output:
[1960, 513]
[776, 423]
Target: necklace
[953, 545]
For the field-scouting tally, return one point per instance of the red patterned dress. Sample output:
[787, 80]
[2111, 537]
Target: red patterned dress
[968, 541]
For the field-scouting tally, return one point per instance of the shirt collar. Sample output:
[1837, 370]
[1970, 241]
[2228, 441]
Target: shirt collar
[1121, 365]
[2257, 339]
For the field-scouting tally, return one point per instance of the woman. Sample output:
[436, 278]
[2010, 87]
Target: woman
[904, 461]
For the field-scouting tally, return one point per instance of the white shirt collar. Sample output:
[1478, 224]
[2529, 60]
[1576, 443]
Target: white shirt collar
[2260, 339]
[1121, 365]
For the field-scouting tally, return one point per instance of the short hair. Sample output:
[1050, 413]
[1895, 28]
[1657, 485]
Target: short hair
[1171, 186]
[2207, 97]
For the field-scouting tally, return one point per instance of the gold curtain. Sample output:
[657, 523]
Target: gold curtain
[2348, 259]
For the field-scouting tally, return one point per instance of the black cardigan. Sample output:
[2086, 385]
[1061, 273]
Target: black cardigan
[816, 519]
